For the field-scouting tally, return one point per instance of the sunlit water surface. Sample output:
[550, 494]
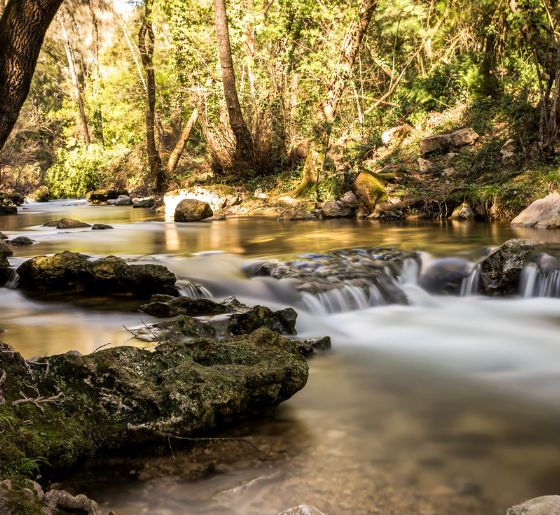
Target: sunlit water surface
[449, 405]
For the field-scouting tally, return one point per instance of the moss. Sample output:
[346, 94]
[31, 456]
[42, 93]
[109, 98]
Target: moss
[369, 190]
[128, 396]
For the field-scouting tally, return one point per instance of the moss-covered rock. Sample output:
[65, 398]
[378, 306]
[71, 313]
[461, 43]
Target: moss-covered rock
[369, 190]
[41, 194]
[102, 196]
[69, 407]
[73, 272]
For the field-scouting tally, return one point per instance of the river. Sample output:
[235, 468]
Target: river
[446, 406]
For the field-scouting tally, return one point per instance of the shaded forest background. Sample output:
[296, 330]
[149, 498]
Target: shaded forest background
[422, 67]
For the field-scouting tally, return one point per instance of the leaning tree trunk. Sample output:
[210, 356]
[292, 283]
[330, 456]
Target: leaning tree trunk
[243, 157]
[328, 108]
[23, 26]
[177, 152]
[146, 47]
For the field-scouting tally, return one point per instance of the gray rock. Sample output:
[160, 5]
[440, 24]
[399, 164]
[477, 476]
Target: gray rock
[424, 165]
[543, 213]
[349, 200]
[336, 209]
[21, 240]
[192, 210]
[146, 202]
[445, 276]
[508, 151]
[546, 505]
[123, 200]
[444, 142]
[500, 272]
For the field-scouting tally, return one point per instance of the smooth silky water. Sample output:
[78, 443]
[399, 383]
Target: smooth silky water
[449, 405]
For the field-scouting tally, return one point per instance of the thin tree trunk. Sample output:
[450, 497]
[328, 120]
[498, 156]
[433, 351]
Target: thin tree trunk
[23, 26]
[328, 108]
[146, 47]
[243, 139]
[175, 156]
[76, 86]
[98, 114]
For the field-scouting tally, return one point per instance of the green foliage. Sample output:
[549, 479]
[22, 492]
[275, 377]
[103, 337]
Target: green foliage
[82, 169]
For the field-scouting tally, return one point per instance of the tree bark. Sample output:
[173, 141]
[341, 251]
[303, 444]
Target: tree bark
[243, 139]
[180, 146]
[23, 26]
[327, 112]
[146, 47]
[76, 85]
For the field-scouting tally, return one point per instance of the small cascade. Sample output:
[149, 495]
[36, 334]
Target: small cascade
[192, 290]
[411, 269]
[538, 282]
[13, 282]
[347, 298]
[470, 284]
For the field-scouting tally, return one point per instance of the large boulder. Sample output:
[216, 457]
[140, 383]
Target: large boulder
[127, 396]
[192, 210]
[447, 141]
[220, 197]
[543, 213]
[336, 209]
[66, 223]
[72, 272]
[546, 505]
[500, 272]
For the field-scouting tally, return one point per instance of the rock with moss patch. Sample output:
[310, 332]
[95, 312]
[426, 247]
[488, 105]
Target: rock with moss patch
[73, 272]
[102, 196]
[129, 396]
[369, 190]
[463, 212]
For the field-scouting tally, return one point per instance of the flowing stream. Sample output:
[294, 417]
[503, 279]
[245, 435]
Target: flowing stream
[447, 405]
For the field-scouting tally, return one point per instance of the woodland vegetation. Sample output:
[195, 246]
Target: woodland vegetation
[288, 96]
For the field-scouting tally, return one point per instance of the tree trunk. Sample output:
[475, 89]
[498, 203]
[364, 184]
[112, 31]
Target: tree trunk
[98, 113]
[328, 108]
[180, 146]
[23, 26]
[76, 85]
[146, 47]
[243, 139]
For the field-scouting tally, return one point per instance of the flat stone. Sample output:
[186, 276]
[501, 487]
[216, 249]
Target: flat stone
[101, 227]
[22, 240]
[66, 223]
[444, 142]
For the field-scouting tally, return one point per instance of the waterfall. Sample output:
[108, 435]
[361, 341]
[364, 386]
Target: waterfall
[410, 272]
[538, 282]
[470, 284]
[192, 290]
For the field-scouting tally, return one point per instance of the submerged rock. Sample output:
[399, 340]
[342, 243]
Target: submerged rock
[546, 505]
[445, 276]
[543, 213]
[66, 223]
[21, 240]
[500, 272]
[192, 210]
[101, 227]
[129, 396]
[73, 272]
[302, 509]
